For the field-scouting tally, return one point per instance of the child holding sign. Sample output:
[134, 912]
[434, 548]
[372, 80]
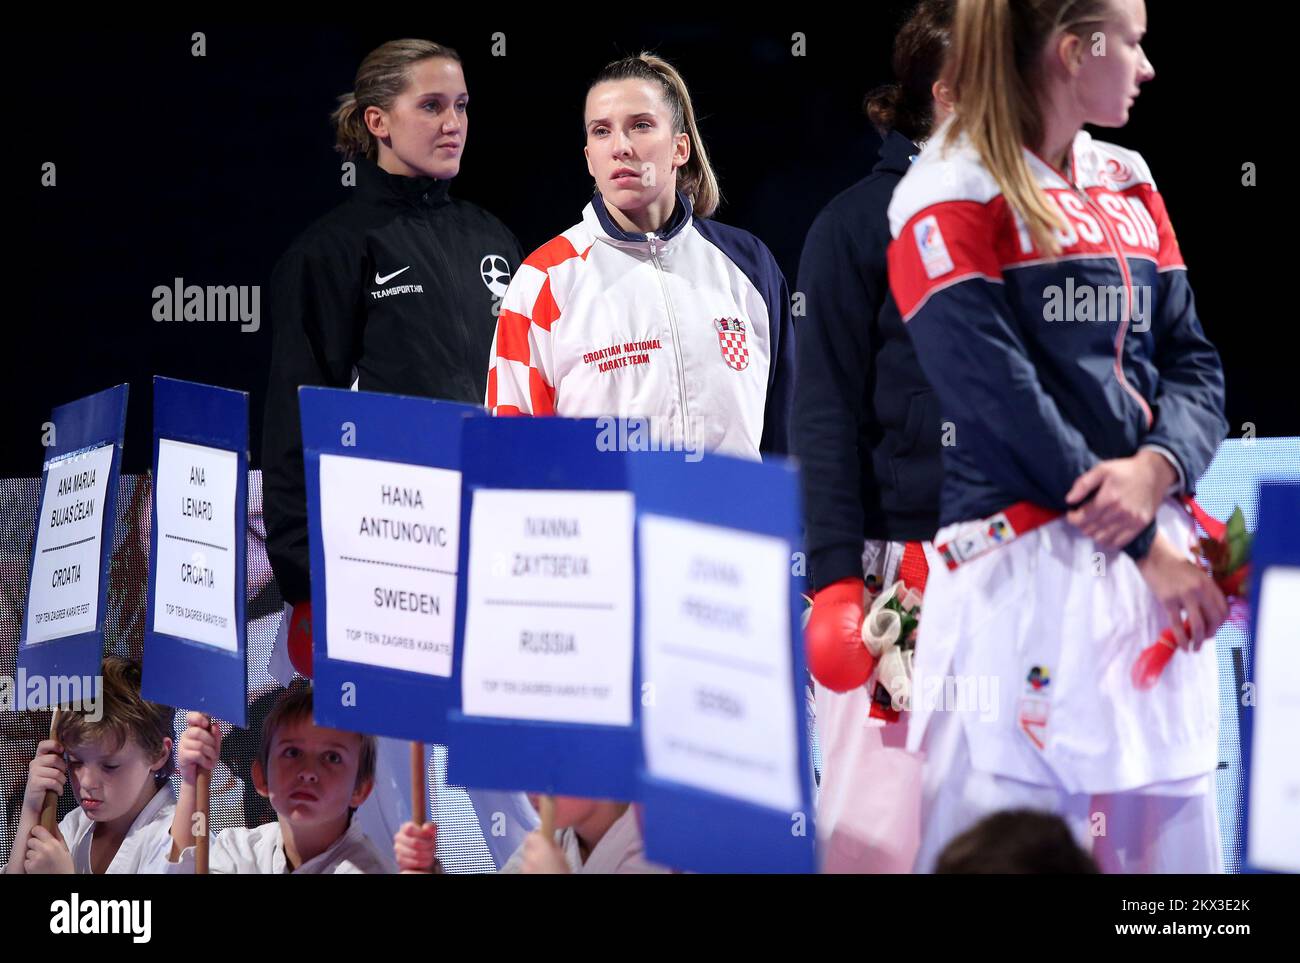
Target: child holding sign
[120, 757]
[597, 837]
[315, 779]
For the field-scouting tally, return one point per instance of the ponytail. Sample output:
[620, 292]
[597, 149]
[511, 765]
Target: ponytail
[907, 105]
[351, 137]
[695, 178]
[993, 67]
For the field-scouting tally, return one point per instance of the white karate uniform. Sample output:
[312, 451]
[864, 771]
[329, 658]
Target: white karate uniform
[1088, 742]
[620, 850]
[868, 800]
[505, 818]
[261, 850]
[148, 839]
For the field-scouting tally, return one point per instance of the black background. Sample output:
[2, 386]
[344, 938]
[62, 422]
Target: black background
[171, 165]
[372, 912]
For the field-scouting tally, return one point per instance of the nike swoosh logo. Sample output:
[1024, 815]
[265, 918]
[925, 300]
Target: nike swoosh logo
[388, 277]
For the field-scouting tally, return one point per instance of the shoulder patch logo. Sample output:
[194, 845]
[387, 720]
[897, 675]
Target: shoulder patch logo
[934, 252]
[731, 339]
[1116, 174]
[495, 271]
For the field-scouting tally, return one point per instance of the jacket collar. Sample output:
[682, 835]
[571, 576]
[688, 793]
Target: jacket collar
[1080, 148]
[353, 837]
[606, 229]
[896, 154]
[376, 185]
[1078, 161]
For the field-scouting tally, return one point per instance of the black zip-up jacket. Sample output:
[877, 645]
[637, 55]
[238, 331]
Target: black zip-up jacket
[393, 290]
[867, 426]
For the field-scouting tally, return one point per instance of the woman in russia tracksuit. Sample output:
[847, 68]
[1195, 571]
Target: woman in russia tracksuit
[645, 308]
[1043, 286]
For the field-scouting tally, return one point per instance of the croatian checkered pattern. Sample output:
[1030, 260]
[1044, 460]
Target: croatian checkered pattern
[734, 351]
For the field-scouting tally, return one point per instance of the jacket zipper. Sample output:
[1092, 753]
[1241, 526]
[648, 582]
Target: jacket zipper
[1128, 300]
[451, 282]
[677, 341]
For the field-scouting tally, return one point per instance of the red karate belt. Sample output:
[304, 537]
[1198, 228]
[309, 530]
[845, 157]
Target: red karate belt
[980, 537]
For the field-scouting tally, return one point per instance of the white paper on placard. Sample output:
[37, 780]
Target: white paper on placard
[63, 597]
[715, 641]
[548, 619]
[391, 536]
[194, 579]
[1272, 839]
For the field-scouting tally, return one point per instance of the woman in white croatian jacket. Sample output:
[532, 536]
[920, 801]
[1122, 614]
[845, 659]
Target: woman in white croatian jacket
[645, 308]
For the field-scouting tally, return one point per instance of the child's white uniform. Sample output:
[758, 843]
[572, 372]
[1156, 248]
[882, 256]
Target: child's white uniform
[148, 839]
[620, 850]
[261, 850]
[505, 818]
[1130, 770]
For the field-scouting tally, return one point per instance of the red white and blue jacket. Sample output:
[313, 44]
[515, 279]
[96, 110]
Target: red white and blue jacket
[1044, 365]
[688, 326]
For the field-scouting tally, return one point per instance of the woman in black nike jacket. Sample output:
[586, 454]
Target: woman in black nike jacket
[391, 291]
[395, 290]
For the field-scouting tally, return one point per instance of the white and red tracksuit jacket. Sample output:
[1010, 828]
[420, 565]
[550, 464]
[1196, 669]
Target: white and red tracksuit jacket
[689, 327]
[1045, 365]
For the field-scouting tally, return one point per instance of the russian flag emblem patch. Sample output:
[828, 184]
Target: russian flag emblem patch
[934, 252]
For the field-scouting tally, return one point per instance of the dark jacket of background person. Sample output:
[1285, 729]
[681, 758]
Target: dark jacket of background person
[867, 426]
